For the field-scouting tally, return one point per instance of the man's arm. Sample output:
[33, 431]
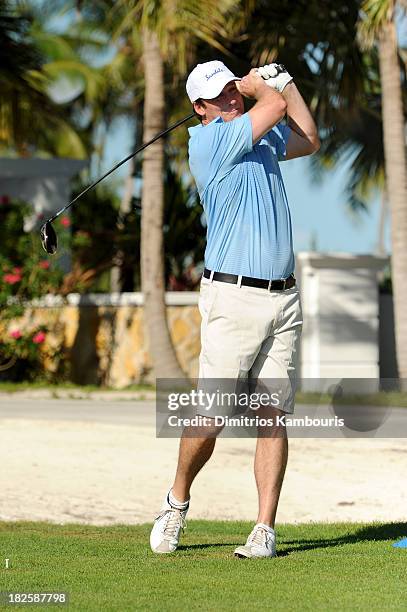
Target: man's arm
[270, 105]
[303, 139]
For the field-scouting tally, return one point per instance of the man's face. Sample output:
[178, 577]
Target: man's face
[228, 105]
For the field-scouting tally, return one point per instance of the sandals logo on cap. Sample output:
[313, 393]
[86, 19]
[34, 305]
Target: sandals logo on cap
[216, 71]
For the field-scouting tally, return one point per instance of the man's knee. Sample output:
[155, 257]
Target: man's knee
[271, 422]
[208, 430]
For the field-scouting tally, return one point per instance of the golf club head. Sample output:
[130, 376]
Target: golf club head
[49, 238]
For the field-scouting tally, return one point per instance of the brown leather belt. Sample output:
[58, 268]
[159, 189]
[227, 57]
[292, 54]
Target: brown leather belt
[261, 283]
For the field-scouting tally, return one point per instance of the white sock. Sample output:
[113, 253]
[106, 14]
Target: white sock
[175, 503]
[266, 527]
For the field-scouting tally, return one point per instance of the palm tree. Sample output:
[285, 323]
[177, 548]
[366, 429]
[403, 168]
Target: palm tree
[168, 33]
[152, 255]
[378, 25]
[29, 118]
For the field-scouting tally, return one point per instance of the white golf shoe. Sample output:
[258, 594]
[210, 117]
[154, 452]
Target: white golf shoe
[260, 543]
[165, 534]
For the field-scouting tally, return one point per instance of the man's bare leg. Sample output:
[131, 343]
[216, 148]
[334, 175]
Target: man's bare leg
[269, 469]
[196, 446]
[194, 452]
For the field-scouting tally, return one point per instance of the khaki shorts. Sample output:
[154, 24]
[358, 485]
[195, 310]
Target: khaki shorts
[250, 334]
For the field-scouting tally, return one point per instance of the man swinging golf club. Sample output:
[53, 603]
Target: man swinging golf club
[249, 302]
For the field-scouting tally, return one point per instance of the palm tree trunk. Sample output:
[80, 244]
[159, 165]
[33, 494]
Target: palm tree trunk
[381, 230]
[396, 181]
[152, 260]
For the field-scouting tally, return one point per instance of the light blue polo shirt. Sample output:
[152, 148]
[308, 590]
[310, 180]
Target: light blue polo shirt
[243, 195]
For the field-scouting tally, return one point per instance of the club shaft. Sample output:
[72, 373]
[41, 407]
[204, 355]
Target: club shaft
[144, 146]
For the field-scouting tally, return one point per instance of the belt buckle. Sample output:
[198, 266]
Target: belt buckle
[269, 286]
[284, 283]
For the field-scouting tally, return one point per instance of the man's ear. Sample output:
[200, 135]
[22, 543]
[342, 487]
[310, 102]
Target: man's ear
[199, 108]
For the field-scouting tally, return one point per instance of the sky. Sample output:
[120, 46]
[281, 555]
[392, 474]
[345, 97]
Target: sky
[320, 214]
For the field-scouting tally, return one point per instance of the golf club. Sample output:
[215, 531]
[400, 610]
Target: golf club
[48, 235]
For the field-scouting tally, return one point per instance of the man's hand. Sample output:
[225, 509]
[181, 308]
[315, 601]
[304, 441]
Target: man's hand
[270, 105]
[252, 85]
[275, 76]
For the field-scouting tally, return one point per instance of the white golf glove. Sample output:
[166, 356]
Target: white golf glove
[275, 75]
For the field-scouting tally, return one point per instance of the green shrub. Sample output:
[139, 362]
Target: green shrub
[26, 273]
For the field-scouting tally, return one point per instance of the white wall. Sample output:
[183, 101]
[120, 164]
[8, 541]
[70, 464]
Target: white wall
[341, 315]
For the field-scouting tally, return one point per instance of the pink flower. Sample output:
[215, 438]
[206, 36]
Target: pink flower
[16, 334]
[65, 221]
[11, 279]
[44, 264]
[17, 270]
[39, 337]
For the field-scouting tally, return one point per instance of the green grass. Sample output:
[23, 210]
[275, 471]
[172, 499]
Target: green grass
[320, 567]
[11, 387]
[382, 398]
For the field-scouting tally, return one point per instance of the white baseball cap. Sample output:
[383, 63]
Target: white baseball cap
[207, 80]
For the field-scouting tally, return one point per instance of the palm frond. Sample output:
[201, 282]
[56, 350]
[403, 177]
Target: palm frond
[374, 13]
